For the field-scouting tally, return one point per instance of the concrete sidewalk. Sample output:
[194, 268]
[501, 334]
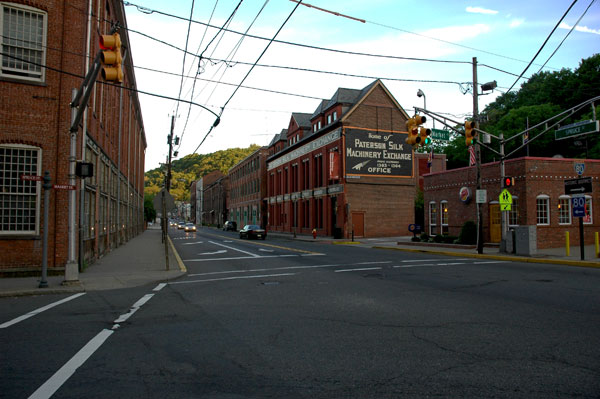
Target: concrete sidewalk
[139, 261]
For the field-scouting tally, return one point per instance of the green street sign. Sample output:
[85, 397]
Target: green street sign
[576, 129]
[438, 134]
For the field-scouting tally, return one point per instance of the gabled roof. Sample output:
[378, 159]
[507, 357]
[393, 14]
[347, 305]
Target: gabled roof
[320, 108]
[364, 93]
[302, 119]
[279, 137]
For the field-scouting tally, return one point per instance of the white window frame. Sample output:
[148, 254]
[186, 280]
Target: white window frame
[20, 187]
[546, 199]
[561, 211]
[328, 119]
[432, 218]
[334, 116]
[18, 45]
[589, 203]
[444, 215]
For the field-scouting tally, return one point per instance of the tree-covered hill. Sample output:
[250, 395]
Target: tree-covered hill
[192, 167]
[544, 95]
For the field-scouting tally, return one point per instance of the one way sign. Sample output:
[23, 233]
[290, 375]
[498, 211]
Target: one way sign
[578, 186]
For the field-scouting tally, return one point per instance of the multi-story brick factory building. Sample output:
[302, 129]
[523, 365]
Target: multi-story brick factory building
[48, 46]
[248, 190]
[346, 169]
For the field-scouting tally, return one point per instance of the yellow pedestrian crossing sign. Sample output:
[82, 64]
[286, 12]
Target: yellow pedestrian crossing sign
[505, 200]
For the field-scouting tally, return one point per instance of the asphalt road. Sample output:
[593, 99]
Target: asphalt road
[289, 319]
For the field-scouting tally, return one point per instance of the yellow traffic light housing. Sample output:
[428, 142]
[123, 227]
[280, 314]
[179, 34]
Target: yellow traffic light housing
[111, 57]
[469, 133]
[412, 127]
[425, 133]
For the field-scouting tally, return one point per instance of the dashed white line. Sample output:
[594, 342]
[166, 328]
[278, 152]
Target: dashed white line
[232, 278]
[40, 310]
[357, 270]
[235, 249]
[136, 306]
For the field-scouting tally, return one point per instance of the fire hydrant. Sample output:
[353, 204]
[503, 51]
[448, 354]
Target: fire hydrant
[314, 233]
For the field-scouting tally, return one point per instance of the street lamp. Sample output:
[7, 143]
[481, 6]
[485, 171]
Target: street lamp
[420, 93]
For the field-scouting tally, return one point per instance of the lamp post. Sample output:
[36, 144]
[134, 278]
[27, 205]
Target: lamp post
[421, 93]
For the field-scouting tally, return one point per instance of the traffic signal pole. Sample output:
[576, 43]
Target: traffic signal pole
[477, 157]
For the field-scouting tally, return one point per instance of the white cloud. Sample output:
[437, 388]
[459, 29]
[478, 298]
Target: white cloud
[583, 29]
[481, 10]
[516, 22]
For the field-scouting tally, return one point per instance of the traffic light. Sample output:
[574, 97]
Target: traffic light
[469, 133]
[412, 126]
[111, 57]
[508, 182]
[425, 133]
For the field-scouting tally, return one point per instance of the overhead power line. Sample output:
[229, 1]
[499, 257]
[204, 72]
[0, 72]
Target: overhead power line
[543, 44]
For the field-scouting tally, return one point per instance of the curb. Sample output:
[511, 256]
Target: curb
[590, 264]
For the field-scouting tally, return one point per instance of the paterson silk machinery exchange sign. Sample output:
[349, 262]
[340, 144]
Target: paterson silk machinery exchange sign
[370, 153]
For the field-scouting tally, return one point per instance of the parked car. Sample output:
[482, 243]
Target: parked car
[229, 225]
[253, 231]
[190, 227]
[181, 226]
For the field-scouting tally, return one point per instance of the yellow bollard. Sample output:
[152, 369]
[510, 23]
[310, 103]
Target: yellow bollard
[567, 245]
[597, 245]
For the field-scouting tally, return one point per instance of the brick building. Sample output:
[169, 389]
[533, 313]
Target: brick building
[213, 196]
[248, 189]
[41, 40]
[538, 200]
[345, 170]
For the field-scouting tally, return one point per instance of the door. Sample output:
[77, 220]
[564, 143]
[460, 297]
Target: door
[495, 223]
[358, 224]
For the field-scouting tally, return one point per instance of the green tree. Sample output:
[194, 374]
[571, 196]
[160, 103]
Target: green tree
[149, 211]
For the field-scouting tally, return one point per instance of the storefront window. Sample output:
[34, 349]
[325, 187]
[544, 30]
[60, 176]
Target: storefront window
[564, 209]
[433, 228]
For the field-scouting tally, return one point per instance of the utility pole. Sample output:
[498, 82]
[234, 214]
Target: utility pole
[170, 141]
[477, 156]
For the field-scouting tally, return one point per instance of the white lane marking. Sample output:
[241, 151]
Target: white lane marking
[357, 270]
[159, 287]
[40, 310]
[266, 250]
[65, 372]
[233, 278]
[134, 308]
[240, 257]
[192, 243]
[281, 268]
[429, 265]
[235, 249]
[221, 251]
[313, 254]
[372, 263]
[490, 261]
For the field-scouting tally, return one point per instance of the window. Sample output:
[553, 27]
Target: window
[19, 199]
[564, 209]
[444, 216]
[23, 41]
[328, 119]
[432, 218]
[334, 116]
[542, 206]
[588, 206]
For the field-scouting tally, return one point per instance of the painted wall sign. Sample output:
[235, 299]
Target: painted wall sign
[305, 149]
[383, 154]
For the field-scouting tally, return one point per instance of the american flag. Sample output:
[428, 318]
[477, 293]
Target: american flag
[471, 155]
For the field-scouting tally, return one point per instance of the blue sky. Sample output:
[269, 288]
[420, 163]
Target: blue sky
[502, 35]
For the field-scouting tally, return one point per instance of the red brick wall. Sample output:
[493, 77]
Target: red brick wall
[534, 176]
[39, 114]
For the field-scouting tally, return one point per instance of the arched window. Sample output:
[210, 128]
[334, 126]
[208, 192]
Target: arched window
[24, 38]
[542, 210]
[564, 209]
[433, 215]
[444, 216]
[19, 198]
